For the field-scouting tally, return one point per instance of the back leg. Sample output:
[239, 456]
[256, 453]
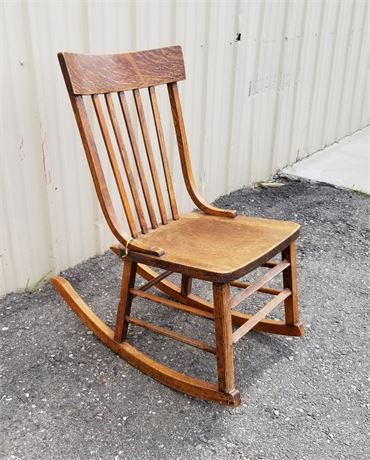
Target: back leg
[186, 283]
[290, 282]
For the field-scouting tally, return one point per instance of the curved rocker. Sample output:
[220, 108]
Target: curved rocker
[169, 377]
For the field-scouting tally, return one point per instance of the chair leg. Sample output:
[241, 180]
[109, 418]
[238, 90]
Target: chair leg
[124, 306]
[290, 282]
[186, 283]
[223, 331]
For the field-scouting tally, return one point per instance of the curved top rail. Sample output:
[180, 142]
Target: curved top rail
[97, 74]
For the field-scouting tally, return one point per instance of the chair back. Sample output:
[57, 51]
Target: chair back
[107, 80]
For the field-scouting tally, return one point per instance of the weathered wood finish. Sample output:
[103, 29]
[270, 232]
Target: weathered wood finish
[124, 306]
[155, 280]
[265, 290]
[217, 246]
[163, 150]
[167, 376]
[255, 319]
[173, 335]
[259, 283]
[126, 163]
[290, 282]
[186, 283]
[218, 251]
[137, 157]
[187, 170]
[171, 304]
[272, 326]
[107, 73]
[223, 331]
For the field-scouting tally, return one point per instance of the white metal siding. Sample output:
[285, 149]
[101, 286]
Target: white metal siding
[295, 83]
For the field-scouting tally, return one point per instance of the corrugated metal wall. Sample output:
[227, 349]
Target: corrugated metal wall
[293, 84]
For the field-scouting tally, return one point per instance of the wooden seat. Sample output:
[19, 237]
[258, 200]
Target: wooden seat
[214, 245]
[213, 248]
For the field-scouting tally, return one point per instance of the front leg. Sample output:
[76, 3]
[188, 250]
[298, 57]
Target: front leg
[124, 306]
[224, 345]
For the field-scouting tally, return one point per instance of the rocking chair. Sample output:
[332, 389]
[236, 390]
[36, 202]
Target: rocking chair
[215, 245]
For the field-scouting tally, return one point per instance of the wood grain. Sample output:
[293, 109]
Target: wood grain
[126, 297]
[260, 282]
[107, 73]
[114, 164]
[290, 282]
[171, 303]
[137, 157]
[150, 155]
[265, 290]
[261, 314]
[126, 162]
[223, 332]
[272, 326]
[182, 143]
[173, 335]
[215, 246]
[167, 376]
[186, 283]
[163, 150]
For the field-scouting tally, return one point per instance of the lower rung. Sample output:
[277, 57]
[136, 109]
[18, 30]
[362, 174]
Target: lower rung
[255, 319]
[173, 335]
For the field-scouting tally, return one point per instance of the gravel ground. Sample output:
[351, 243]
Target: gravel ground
[64, 395]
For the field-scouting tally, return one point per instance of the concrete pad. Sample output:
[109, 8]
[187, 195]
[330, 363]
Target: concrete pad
[345, 164]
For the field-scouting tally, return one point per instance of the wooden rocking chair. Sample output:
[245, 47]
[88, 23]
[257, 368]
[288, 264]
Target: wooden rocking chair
[215, 245]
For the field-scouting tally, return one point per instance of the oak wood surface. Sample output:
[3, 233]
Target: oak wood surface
[223, 333]
[262, 313]
[150, 155]
[174, 379]
[114, 164]
[124, 305]
[217, 248]
[272, 326]
[290, 282]
[126, 162]
[185, 156]
[163, 150]
[215, 245]
[265, 290]
[106, 73]
[173, 335]
[259, 283]
[186, 284]
[171, 304]
[137, 157]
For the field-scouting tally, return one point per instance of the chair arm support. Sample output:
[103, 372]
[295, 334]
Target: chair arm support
[185, 157]
[206, 207]
[137, 246]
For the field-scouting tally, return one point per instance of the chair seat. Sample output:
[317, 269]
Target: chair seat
[218, 249]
